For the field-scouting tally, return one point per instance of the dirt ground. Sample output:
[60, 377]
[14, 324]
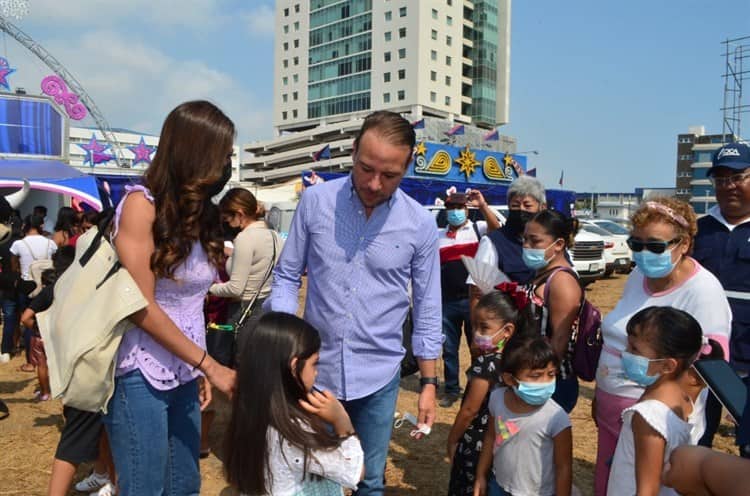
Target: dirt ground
[29, 436]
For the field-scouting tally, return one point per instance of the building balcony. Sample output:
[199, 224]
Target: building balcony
[702, 199]
[340, 163]
[295, 155]
[467, 61]
[704, 147]
[700, 182]
[700, 165]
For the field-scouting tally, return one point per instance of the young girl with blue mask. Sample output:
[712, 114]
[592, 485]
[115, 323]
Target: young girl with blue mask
[528, 442]
[663, 343]
[498, 316]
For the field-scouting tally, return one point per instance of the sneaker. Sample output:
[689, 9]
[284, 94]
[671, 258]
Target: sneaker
[93, 482]
[107, 489]
[448, 400]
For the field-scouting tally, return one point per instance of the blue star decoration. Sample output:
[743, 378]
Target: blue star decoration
[95, 152]
[5, 71]
[141, 152]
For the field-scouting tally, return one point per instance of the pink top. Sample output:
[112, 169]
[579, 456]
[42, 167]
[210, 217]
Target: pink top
[181, 299]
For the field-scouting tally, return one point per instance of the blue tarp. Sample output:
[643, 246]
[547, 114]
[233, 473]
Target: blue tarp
[53, 176]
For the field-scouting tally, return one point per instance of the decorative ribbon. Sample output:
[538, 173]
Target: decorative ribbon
[516, 293]
[55, 87]
[651, 205]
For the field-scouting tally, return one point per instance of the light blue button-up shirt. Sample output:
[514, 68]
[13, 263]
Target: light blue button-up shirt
[358, 274]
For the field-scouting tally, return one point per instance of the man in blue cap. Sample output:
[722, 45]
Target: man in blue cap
[723, 247]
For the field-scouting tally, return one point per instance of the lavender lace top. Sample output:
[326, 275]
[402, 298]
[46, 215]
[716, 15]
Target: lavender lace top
[182, 300]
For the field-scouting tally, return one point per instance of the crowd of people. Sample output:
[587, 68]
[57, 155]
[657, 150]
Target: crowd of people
[313, 398]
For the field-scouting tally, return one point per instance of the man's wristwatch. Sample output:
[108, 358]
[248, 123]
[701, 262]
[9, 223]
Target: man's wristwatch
[423, 381]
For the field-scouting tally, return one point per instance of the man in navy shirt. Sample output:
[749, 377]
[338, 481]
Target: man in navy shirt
[723, 247]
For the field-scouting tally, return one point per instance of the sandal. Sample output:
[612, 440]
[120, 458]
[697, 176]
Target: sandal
[27, 367]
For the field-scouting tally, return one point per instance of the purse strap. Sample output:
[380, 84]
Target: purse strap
[269, 271]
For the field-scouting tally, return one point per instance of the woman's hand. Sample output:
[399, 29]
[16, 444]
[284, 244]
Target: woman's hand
[204, 393]
[480, 486]
[325, 405]
[451, 451]
[223, 378]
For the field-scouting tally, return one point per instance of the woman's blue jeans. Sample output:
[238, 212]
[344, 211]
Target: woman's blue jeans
[155, 437]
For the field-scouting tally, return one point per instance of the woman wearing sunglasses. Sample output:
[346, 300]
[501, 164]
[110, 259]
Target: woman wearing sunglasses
[665, 275]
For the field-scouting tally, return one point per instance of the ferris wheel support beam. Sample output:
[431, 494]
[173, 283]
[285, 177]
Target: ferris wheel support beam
[51, 62]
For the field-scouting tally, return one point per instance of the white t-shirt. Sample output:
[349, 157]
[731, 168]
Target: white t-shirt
[31, 248]
[701, 296]
[663, 420]
[523, 453]
[286, 462]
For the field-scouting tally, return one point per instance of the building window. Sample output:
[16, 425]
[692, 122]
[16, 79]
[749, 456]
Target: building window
[286, 12]
[387, 36]
[283, 115]
[402, 32]
[296, 25]
[284, 97]
[447, 100]
[386, 77]
[402, 73]
[286, 28]
[296, 60]
[388, 16]
[295, 95]
[294, 113]
[402, 12]
[285, 80]
[401, 94]
[449, 20]
[447, 80]
[387, 56]
[433, 55]
[296, 43]
[433, 96]
[434, 13]
[402, 53]
[447, 60]
[286, 46]
[286, 63]
[450, 3]
[433, 76]
[449, 41]
[386, 98]
[434, 35]
[295, 78]
[296, 8]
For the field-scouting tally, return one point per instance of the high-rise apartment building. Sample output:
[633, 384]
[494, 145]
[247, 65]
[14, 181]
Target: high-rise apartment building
[441, 58]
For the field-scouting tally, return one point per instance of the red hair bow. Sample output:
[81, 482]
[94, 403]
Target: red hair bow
[516, 293]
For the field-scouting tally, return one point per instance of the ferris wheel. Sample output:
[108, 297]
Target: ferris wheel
[18, 9]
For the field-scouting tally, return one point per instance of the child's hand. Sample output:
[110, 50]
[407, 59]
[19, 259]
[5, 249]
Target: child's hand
[480, 486]
[451, 451]
[325, 405]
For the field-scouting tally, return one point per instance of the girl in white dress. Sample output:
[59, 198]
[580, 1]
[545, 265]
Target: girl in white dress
[663, 343]
[285, 437]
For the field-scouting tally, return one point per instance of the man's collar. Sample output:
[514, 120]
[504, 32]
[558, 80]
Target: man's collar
[715, 212]
[353, 193]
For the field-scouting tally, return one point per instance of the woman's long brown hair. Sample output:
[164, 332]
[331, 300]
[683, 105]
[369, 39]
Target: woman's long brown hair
[194, 147]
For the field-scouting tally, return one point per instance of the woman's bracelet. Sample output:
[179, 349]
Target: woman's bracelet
[201, 362]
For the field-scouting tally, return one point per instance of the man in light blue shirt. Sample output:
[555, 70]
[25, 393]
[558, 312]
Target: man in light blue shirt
[363, 243]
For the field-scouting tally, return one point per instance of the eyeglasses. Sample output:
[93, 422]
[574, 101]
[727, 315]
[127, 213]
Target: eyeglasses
[733, 180]
[657, 247]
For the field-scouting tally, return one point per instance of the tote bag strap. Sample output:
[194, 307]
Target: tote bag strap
[269, 271]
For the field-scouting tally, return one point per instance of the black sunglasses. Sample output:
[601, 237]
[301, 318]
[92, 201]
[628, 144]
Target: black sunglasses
[657, 247]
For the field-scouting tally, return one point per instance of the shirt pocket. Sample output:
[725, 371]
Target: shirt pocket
[389, 255]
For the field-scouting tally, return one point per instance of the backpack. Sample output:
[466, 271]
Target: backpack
[586, 338]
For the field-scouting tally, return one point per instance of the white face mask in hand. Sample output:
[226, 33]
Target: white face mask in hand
[408, 417]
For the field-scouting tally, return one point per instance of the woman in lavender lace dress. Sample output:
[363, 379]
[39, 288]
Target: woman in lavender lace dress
[167, 236]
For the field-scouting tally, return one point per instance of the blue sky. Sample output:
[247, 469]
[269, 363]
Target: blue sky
[601, 89]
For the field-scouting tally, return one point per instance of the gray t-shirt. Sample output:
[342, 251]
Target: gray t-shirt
[523, 451]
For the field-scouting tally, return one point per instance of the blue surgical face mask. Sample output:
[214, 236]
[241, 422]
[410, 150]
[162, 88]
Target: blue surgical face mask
[456, 217]
[654, 265]
[636, 368]
[536, 258]
[534, 393]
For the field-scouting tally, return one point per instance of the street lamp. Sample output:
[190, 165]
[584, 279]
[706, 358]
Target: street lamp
[16, 9]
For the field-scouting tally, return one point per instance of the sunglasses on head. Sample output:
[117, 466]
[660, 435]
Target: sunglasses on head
[657, 247]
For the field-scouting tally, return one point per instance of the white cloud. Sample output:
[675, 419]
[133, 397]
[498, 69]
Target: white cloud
[261, 21]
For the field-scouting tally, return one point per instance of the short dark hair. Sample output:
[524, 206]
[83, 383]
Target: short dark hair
[40, 210]
[390, 126]
[527, 352]
[33, 222]
[558, 225]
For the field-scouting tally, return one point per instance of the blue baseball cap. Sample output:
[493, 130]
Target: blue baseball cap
[732, 155]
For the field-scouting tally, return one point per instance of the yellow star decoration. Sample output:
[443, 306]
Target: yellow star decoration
[508, 159]
[468, 161]
[421, 149]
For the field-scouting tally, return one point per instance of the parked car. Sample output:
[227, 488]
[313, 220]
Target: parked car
[617, 255]
[279, 216]
[587, 256]
[616, 228]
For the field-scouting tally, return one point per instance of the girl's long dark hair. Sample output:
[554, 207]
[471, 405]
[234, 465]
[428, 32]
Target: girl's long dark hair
[502, 305]
[195, 145]
[268, 394]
